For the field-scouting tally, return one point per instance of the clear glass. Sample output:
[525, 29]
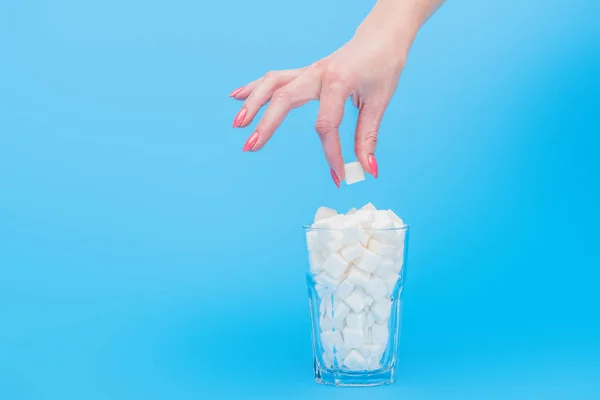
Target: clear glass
[355, 318]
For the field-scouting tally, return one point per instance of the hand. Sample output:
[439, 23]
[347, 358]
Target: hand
[367, 69]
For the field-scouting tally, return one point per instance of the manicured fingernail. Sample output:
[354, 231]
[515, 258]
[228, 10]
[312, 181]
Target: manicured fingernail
[236, 92]
[373, 165]
[239, 118]
[335, 178]
[251, 142]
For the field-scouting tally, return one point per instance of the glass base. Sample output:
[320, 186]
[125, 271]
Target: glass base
[336, 377]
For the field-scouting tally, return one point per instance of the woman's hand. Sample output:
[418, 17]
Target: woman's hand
[367, 69]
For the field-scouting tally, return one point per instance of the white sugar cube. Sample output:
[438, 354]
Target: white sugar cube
[381, 310]
[320, 289]
[374, 351]
[352, 232]
[316, 260]
[381, 216]
[364, 350]
[335, 265]
[313, 242]
[364, 218]
[326, 306]
[355, 361]
[372, 364]
[377, 288]
[385, 267]
[374, 246]
[368, 261]
[352, 252]
[368, 300]
[392, 215]
[353, 338]
[331, 340]
[327, 280]
[354, 172]
[340, 353]
[358, 277]
[356, 320]
[351, 211]
[390, 280]
[356, 301]
[340, 310]
[324, 213]
[328, 359]
[338, 323]
[344, 289]
[384, 250]
[368, 207]
[334, 245]
[370, 320]
[384, 232]
[326, 323]
[379, 334]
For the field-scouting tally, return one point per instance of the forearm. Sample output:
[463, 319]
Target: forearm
[397, 21]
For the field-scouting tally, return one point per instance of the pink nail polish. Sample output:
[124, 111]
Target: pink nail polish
[373, 165]
[236, 92]
[239, 118]
[251, 142]
[335, 178]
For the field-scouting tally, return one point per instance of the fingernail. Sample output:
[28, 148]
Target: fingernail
[236, 92]
[239, 118]
[251, 142]
[373, 165]
[335, 178]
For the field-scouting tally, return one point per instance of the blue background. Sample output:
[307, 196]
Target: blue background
[142, 255]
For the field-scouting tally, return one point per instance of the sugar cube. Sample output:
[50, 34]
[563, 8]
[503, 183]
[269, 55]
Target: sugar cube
[355, 361]
[370, 320]
[324, 213]
[331, 340]
[377, 288]
[368, 207]
[356, 320]
[344, 289]
[353, 338]
[358, 277]
[340, 310]
[352, 252]
[327, 280]
[379, 333]
[368, 261]
[354, 172]
[381, 310]
[326, 323]
[356, 301]
[335, 265]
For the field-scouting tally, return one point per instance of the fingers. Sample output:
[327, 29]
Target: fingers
[259, 93]
[334, 92]
[243, 92]
[293, 95]
[367, 129]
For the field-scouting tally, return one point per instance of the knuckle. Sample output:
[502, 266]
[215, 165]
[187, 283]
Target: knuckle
[319, 64]
[271, 75]
[369, 139]
[335, 75]
[282, 96]
[323, 128]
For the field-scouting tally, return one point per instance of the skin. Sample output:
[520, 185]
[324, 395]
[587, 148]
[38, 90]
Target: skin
[366, 69]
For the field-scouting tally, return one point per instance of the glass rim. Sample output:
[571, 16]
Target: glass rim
[401, 228]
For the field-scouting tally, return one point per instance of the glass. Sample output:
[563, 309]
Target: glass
[355, 317]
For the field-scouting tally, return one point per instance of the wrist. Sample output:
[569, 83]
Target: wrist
[393, 24]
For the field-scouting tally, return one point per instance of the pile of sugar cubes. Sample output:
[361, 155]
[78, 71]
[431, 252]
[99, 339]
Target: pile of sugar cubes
[355, 260]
